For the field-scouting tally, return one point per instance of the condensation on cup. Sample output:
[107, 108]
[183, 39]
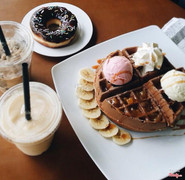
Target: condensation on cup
[32, 137]
[20, 43]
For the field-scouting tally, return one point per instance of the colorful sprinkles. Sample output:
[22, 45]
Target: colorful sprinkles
[63, 32]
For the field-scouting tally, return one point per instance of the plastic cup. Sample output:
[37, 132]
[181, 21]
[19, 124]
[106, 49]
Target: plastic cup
[32, 137]
[20, 43]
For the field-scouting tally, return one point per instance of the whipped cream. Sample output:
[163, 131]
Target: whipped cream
[173, 84]
[150, 56]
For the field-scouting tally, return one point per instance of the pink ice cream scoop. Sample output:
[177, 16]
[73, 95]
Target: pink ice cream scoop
[118, 70]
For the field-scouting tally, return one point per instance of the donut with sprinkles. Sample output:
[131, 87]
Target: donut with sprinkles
[53, 26]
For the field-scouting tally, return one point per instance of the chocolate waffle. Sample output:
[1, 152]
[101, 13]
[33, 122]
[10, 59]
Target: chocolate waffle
[140, 105]
[145, 108]
[104, 89]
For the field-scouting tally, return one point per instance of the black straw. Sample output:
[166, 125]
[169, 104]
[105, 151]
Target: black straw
[26, 89]
[4, 43]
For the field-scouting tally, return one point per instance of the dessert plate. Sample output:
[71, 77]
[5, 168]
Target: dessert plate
[150, 155]
[84, 32]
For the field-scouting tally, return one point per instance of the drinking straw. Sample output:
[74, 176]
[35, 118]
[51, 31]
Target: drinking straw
[26, 89]
[4, 43]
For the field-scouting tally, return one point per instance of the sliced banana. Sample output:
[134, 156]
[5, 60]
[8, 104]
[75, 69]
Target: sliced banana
[110, 131]
[86, 85]
[87, 74]
[90, 109]
[92, 113]
[86, 95]
[87, 104]
[100, 123]
[123, 137]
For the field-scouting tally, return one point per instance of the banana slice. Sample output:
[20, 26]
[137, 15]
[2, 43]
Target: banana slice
[92, 113]
[110, 131]
[86, 95]
[87, 104]
[99, 123]
[87, 74]
[123, 137]
[86, 85]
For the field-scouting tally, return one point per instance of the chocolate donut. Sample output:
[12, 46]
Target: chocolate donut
[53, 26]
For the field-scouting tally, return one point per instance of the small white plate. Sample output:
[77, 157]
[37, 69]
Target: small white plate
[148, 158]
[84, 32]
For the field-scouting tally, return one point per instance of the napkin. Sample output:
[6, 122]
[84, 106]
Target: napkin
[175, 30]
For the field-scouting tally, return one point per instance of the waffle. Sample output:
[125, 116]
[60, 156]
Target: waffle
[105, 89]
[140, 105]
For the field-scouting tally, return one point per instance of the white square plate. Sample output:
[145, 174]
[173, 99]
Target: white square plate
[147, 158]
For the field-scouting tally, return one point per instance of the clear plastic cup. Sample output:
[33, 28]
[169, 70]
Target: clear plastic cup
[32, 137]
[20, 43]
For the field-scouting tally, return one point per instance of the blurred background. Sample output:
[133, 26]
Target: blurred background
[180, 2]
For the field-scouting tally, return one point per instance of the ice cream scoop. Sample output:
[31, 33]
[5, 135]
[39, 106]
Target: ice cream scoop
[173, 84]
[149, 56]
[118, 70]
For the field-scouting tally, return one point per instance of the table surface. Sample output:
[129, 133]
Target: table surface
[66, 158]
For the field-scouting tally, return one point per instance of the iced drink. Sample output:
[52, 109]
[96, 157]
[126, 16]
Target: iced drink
[20, 43]
[34, 136]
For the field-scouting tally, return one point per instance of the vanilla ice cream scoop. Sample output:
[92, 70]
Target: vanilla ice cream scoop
[173, 84]
[118, 70]
[149, 56]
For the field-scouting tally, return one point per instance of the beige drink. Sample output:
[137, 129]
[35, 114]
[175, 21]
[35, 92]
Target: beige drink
[34, 136]
[20, 43]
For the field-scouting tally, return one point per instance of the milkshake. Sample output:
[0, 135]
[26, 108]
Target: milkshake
[20, 43]
[34, 136]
